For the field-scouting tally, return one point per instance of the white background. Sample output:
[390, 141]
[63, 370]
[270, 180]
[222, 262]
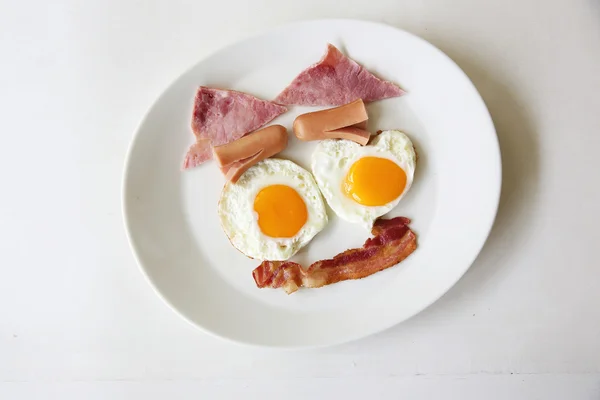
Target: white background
[78, 321]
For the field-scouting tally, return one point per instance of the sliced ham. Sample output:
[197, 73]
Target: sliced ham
[198, 153]
[222, 116]
[393, 241]
[336, 80]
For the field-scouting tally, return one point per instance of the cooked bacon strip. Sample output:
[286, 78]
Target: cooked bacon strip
[279, 274]
[381, 225]
[236, 157]
[392, 243]
[345, 122]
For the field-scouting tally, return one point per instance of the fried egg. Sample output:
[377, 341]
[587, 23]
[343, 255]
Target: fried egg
[362, 183]
[272, 211]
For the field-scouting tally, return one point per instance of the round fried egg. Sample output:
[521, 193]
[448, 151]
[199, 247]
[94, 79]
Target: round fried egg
[362, 183]
[272, 211]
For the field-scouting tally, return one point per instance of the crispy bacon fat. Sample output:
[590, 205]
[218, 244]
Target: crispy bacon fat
[392, 242]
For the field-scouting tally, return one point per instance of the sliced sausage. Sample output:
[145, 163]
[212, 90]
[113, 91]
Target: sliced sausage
[344, 122]
[236, 157]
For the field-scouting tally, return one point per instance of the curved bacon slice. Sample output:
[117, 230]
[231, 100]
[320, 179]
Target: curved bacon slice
[393, 241]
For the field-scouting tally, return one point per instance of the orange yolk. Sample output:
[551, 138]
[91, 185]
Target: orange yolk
[281, 211]
[373, 181]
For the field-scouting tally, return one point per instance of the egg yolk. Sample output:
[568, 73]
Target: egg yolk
[281, 211]
[374, 181]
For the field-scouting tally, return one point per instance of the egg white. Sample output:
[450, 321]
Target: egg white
[240, 221]
[333, 158]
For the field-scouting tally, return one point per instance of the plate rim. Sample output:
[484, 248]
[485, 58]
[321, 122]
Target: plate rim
[267, 32]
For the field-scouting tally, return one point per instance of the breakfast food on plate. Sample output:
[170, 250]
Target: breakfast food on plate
[345, 122]
[393, 241]
[236, 157]
[362, 183]
[270, 208]
[222, 116]
[273, 210]
[336, 80]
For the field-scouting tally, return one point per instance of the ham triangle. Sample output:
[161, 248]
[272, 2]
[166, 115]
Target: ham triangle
[336, 80]
[222, 116]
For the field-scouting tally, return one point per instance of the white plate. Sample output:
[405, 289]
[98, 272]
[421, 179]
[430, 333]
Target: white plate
[172, 221]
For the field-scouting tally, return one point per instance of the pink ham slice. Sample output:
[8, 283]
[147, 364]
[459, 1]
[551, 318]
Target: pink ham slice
[222, 116]
[198, 153]
[336, 80]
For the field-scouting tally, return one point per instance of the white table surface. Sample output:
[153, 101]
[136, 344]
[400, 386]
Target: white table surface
[78, 321]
